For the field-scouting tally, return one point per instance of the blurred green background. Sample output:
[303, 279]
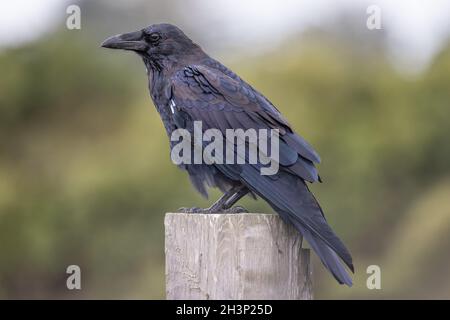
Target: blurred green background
[85, 173]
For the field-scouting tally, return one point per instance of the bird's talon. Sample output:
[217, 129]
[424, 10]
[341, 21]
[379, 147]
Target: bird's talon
[236, 209]
[191, 210]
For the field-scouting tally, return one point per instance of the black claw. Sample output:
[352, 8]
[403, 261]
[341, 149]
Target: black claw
[237, 209]
[191, 210]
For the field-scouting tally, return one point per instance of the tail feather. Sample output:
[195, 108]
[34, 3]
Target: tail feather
[328, 257]
[291, 198]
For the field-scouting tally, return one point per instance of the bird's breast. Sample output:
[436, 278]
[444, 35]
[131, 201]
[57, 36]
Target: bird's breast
[160, 95]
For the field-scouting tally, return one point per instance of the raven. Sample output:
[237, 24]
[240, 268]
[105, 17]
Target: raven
[186, 85]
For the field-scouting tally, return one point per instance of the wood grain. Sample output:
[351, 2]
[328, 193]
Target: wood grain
[234, 256]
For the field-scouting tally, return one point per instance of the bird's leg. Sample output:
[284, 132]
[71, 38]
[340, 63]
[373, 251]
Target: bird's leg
[215, 207]
[220, 203]
[228, 206]
[224, 203]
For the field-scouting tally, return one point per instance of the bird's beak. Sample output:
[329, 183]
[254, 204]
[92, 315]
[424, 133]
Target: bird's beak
[127, 41]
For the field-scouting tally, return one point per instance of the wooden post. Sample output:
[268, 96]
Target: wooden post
[234, 256]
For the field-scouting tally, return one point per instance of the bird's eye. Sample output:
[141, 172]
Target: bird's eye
[153, 37]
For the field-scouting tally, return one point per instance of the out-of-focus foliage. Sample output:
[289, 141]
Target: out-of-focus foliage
[85, 173]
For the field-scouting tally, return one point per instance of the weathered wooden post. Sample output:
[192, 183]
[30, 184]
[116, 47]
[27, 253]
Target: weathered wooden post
[234, 256]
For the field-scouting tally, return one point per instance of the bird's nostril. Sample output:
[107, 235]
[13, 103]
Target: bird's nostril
[131, 36]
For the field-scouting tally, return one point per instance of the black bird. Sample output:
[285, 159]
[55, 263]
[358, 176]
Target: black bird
[187, 85]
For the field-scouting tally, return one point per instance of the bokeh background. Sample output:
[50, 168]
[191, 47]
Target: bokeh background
[85, 173]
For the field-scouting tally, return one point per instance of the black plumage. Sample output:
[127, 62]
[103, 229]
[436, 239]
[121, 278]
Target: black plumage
[187, 85]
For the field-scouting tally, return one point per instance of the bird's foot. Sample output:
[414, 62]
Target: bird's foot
[192, 210]
[237, 209]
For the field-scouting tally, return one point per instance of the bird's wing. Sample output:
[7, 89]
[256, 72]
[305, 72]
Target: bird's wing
[220, 102]
[199, 93]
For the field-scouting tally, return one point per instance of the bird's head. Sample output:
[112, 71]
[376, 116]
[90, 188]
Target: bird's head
[155, 43]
